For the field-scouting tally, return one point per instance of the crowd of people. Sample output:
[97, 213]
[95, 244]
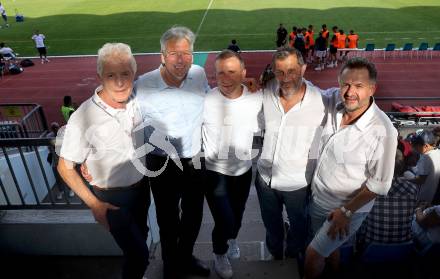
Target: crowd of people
[319, 49]
[327, 156]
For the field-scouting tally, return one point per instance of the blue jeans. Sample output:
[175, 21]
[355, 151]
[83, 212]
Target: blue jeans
[128, 225]
[226, 196]
[271, 205]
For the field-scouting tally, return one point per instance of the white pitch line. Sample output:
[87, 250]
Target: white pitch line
[203, 18]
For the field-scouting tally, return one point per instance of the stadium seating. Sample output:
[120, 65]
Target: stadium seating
[407, 48]
[389, 48]
[423, 48]
[435, 49]
[369, 49]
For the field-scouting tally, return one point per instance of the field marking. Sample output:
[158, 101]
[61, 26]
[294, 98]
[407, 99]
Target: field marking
[203, 18]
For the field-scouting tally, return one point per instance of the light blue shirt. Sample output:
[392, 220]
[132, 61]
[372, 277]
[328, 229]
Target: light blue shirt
[173, 115]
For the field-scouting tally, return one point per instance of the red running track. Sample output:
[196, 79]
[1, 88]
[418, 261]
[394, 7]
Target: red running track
[47, 84]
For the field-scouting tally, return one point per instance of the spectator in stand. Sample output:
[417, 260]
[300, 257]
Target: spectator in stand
[428, 166]
[41, 47]
[389, 221]
[4, 16]
[281, 36]
[320, 52]
[67, 108]
[436, 132]
[355, 164]
[233, 46]
[292, 36]
[291, 104]
[107, 123]
[229, 123]
[426, 232]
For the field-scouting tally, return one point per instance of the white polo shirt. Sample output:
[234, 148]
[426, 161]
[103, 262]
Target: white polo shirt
[228, 131]
[291, 139]
[105, 139]
[429, 165]
[173, 114]
[352, 156]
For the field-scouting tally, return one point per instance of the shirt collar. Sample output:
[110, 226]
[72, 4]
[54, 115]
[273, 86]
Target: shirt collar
[108, 109]
[366, 117]
[162, 85]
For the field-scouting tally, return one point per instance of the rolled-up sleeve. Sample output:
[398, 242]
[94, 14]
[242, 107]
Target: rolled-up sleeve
[381, 167]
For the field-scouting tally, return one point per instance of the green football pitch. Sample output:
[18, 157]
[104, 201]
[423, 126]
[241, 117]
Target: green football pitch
[82, 26]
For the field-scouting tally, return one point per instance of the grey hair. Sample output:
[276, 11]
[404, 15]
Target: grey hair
[177, 33]
[284, 52]
[114, 49]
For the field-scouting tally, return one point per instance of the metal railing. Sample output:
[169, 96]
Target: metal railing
[22, 121]
[29, 180]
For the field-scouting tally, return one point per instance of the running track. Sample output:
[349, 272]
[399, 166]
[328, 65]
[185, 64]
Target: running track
[47, 84]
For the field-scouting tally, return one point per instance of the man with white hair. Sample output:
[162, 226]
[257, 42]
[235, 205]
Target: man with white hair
[102, 134]
[171, 100]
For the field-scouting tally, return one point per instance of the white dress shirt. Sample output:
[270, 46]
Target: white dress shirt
[291, 138]
[354, 155]
[228, 131]
[105, 139]
[173, 115]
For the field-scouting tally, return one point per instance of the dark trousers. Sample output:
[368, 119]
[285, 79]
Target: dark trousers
[271, 205]
[226, 196]
[128, 225]
[178, 226]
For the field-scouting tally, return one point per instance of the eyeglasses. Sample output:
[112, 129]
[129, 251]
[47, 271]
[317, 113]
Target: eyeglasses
[289, 73]
[175, 54]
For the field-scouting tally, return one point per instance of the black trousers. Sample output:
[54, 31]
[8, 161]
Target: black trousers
[179, 197]
[128, 225]
[226, 196]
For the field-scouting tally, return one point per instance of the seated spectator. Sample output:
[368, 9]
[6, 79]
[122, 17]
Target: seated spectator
[7, 52]
[390, 218]
[233, 46]
[426, 227]
[428, 166]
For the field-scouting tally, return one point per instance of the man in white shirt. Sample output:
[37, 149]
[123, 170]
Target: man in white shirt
[293, 113]
[229, 123]
[428, 166]
[41, 47]
[356, 163]
[171, 100]
[102, 134]
[7, 51]
[4, 16]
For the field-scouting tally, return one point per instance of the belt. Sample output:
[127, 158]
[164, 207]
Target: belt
[130, 187]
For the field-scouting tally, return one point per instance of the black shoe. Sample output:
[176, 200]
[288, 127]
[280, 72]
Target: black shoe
[196, 267]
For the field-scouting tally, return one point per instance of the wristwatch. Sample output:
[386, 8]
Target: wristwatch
[346, 212]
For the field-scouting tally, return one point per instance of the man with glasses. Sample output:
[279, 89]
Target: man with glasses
[293, 112]
[171, 100]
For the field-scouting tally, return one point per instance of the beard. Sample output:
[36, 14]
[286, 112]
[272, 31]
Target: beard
[291, 87]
